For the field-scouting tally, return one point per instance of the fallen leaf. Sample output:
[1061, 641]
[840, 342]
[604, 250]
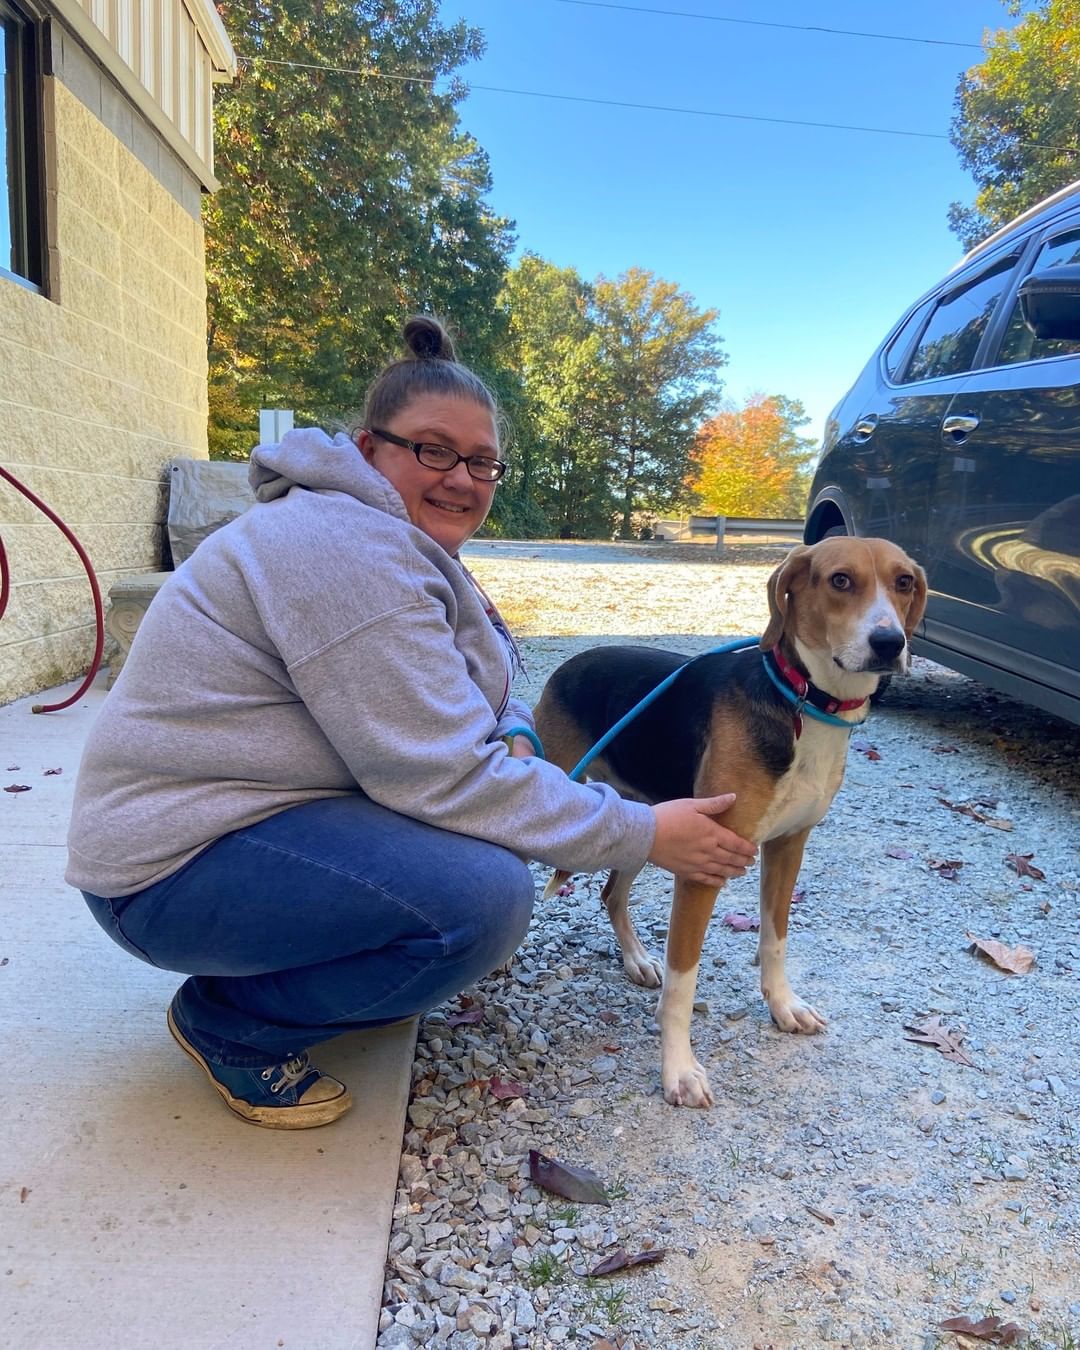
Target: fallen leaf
[946, 868]
[972, 809]
[664, 1305]
[572, 1183]
[471, 1017]
[504, 1089]
[943, 749]
[1015, 960]
[613, 1049]
[18, 787]
[604, 1344]
[934, 1033]
[742, 923]
[620, 1259]
[986, 1329]
[901, 853]
[52, 771]
[799, 893]
[13, 768]
[822, 1214]
[23, 1194]
[864, 747]
[1019, 862]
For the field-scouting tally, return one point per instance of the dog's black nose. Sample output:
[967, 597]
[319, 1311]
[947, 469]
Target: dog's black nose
[887, 643]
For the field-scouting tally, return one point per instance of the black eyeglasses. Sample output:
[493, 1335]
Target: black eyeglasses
[481, 467]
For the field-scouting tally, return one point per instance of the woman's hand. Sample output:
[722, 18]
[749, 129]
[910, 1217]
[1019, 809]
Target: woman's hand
[691, 845]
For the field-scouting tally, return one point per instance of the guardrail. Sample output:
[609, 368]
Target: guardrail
[721, 528]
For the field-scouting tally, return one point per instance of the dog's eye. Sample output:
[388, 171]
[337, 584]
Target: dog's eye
[905, 582]
[840, 581]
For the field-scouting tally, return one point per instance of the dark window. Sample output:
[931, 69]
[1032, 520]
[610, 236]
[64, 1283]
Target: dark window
[901, 343]
[1019, 342]
[955, 330]
[21, 242]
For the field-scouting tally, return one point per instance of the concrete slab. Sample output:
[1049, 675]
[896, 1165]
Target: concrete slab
[137, 1210]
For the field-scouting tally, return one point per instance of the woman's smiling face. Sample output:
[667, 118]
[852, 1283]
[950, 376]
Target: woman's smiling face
[448, 505]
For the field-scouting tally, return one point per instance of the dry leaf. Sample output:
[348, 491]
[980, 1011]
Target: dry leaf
[23, 1194]
[945, 749]
[946, 868]
[48, 772]
[505, 1089]
[742, 923]
[902, 853]
[972, 809]
[572, 1183]
[1019, 862]
[986, 1329]
[471, 1017]
[936, 1034]
[1015, 960]
[18, 787]
[620, 1259]
[822, 1214]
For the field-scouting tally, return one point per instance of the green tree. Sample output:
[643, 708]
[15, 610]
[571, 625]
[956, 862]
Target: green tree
[554, 350]
[347, 201]
[658, 357]
[1017, 115]
[751, 461]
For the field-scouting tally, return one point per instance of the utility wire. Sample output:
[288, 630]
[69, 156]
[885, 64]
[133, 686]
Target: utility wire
[763, 23]
[372, 73]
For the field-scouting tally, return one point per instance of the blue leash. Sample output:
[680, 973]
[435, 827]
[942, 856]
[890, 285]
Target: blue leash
[737, 644]
[602, 744]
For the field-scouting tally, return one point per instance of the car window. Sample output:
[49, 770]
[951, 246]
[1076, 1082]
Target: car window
[1019, 342]
[955, 330]
[898, 347]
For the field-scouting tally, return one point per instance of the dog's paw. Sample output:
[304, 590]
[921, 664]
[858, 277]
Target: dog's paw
[790, 1013]
[687, 1085]
[642, 968]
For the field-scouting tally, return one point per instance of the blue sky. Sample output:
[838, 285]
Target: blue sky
[810, 242]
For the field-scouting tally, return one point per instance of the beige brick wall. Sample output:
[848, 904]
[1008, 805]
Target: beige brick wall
[101, 383]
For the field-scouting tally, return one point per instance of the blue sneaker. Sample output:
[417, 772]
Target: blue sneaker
[289, 1096]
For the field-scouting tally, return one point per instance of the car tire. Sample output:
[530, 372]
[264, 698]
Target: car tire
[835, 532]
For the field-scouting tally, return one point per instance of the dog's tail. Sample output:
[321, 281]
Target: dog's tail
[558, 879]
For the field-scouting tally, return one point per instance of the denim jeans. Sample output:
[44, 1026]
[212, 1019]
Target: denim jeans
[328, 917]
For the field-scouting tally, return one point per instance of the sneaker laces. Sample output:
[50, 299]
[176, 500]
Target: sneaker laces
[292, 1071]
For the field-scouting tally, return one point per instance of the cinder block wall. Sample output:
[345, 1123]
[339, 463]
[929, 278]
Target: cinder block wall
[103, 380]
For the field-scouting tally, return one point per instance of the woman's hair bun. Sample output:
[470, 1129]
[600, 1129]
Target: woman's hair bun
[428, 340]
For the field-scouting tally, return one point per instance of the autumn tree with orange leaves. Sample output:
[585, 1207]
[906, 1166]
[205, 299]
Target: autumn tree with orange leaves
[751, 461]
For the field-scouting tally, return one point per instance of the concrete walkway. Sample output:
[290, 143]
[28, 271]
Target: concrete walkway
[136, 1210]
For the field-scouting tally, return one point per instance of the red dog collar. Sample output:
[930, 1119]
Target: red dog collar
[810, 693]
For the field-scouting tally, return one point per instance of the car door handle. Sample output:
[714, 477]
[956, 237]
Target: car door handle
[957, 427]
[865, 428]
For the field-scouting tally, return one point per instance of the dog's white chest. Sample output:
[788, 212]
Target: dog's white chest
[805, 793]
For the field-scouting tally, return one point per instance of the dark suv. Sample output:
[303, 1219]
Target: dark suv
[960, 441]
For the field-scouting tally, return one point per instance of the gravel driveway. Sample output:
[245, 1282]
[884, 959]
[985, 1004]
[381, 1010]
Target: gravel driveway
[854, 1188]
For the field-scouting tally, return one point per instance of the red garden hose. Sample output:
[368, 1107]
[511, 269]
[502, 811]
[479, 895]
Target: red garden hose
[99, 616]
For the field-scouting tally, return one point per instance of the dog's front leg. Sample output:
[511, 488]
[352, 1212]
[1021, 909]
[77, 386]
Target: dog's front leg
[780, 863]
[684, 1080]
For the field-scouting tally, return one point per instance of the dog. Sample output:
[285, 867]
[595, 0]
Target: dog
[841, 613]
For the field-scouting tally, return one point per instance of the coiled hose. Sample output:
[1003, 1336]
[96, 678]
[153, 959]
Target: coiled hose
[99, 614]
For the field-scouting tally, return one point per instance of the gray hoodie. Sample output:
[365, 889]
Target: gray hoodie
[316, 646]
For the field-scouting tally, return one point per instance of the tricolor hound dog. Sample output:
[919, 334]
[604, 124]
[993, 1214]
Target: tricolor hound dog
[840, 615]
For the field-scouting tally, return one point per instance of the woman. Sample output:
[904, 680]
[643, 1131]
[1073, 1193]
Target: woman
[299, 792]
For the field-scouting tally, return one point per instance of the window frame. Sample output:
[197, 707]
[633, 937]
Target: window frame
[1061, 224]
[26, 200]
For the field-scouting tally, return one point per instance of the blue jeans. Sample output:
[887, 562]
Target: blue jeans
[328, 917]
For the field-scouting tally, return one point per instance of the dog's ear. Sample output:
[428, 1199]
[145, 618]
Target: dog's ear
[796, 563]
[917, 607]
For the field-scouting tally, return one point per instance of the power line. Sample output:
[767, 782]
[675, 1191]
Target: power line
[763, 23]
[372, 73]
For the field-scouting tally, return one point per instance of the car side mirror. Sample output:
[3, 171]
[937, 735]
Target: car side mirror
[1050, 302]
